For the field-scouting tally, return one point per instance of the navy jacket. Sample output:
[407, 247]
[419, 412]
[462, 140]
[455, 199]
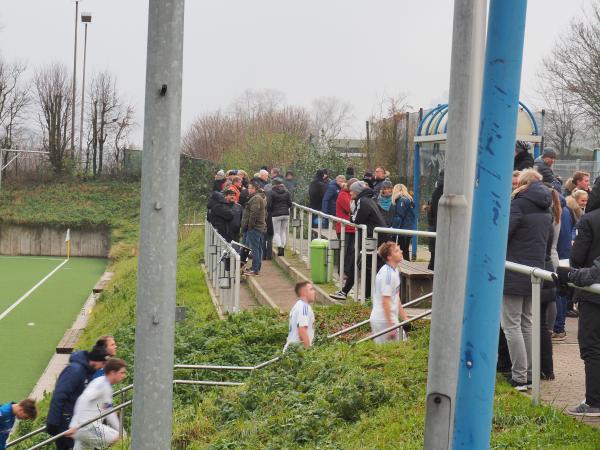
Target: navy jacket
[7, 420]
[404, 214]
[331, 194]
[69, 386]
[529, 235]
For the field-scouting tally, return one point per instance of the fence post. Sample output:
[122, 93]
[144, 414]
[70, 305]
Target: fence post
[301, 243]
[363, 264]
[308, 238]
[295, 215]
[331, 256]
[374, 262]
[536, 293]
[121, 413]
[236, 292]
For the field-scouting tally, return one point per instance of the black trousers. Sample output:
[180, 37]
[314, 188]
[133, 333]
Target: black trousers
[404, 243]
[589, 348]
[504, 363]
[546, 359]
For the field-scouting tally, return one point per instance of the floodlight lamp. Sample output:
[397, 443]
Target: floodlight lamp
[86, 17]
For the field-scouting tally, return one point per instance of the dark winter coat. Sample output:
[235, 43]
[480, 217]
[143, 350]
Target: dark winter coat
[594, 197]
[255, 213]
[215, 198]
[235, 225]
[217, 185]
[404, 214]
[221, 216]
[586, 249]
[316, 192]
[69, 386]
[523, 160]
[432, 212]
[367, 212]
[330, 197]
[377, 184]
[244, 196]
[529, 235]
[291, 187]
[565, 237]
[280, 201]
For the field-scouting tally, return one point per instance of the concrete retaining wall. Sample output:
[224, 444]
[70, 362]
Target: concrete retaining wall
[45, 241]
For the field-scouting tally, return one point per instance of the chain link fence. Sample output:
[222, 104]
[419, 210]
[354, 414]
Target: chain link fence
[566, 168]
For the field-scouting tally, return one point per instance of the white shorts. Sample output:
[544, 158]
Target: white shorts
[95, 436]
[380, 325]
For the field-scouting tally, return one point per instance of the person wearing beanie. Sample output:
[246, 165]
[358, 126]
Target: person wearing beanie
[343, 211]
[69, 386]
[523, 159]
[543, 164]
[384, 200]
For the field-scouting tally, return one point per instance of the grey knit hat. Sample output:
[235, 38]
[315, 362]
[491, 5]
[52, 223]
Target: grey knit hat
[387, 184]
[357, 187]
[549, 152]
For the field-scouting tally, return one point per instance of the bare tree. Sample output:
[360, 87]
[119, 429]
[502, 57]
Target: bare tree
[104, 106]
[121, 136]
[14, 98]
[53, 100]
[573, 64]
[330, 117]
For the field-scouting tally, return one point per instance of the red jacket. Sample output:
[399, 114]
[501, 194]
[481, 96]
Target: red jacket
[342, 210]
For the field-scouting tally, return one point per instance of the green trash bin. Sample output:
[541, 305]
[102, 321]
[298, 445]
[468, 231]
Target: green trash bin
[318, 260]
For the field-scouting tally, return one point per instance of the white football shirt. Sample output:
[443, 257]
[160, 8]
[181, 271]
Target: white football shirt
[387, 284]
[301, 315]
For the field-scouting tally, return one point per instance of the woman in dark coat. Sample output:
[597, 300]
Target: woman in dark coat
[529, 243]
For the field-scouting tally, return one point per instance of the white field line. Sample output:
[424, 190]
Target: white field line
[28, 293]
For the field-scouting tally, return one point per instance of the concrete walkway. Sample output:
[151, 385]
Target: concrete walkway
[568, 389]
[272, 288]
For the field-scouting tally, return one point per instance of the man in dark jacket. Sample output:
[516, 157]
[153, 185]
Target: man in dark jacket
[529, 243]
[215, 198]
[585, 257]
[290, 183]
[523, 159]
[69, 386]
[379, 179]
[543, 164]
[316, 190]
[367, 212]
[221, 214]
[432, 213]
[254, 225]
[331, 194]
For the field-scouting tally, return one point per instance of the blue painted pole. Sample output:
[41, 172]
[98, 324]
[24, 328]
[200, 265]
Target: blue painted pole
[489, 224]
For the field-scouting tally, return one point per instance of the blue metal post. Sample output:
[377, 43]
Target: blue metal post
[489, 224]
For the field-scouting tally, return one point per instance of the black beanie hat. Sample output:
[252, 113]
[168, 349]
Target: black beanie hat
[98, 353]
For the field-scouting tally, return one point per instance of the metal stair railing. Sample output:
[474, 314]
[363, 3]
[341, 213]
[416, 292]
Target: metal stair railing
[364, 322]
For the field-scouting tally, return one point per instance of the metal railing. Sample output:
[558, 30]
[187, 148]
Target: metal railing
[122, 405]
[223, 269]
[364, 322]
[301, 243]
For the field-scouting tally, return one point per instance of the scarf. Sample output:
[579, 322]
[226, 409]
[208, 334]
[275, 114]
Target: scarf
[385, 202]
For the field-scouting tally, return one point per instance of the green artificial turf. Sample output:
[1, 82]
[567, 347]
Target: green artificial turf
[30, 332]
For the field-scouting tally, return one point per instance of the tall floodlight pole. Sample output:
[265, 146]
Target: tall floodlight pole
[155, 314]
[86, 18]
[489, 227]
[454, 218]
[74, 82]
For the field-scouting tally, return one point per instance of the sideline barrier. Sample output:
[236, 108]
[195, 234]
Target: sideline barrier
[223, 269]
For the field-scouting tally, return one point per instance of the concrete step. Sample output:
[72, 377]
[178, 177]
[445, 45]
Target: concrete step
[272, 288]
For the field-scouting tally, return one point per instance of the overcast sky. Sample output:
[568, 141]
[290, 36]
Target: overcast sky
[356, 50]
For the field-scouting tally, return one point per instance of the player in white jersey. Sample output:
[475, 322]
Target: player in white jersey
[96, 399]
[302, 318]
[386, 297]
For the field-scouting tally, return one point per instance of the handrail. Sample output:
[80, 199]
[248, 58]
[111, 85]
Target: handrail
[232, 368]
[394, 327]
[546, 275]
[364, 322]
[108, 412]
[117, 408]
[403, 232]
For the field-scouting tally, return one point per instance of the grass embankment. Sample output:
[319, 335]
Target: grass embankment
[92, 205]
